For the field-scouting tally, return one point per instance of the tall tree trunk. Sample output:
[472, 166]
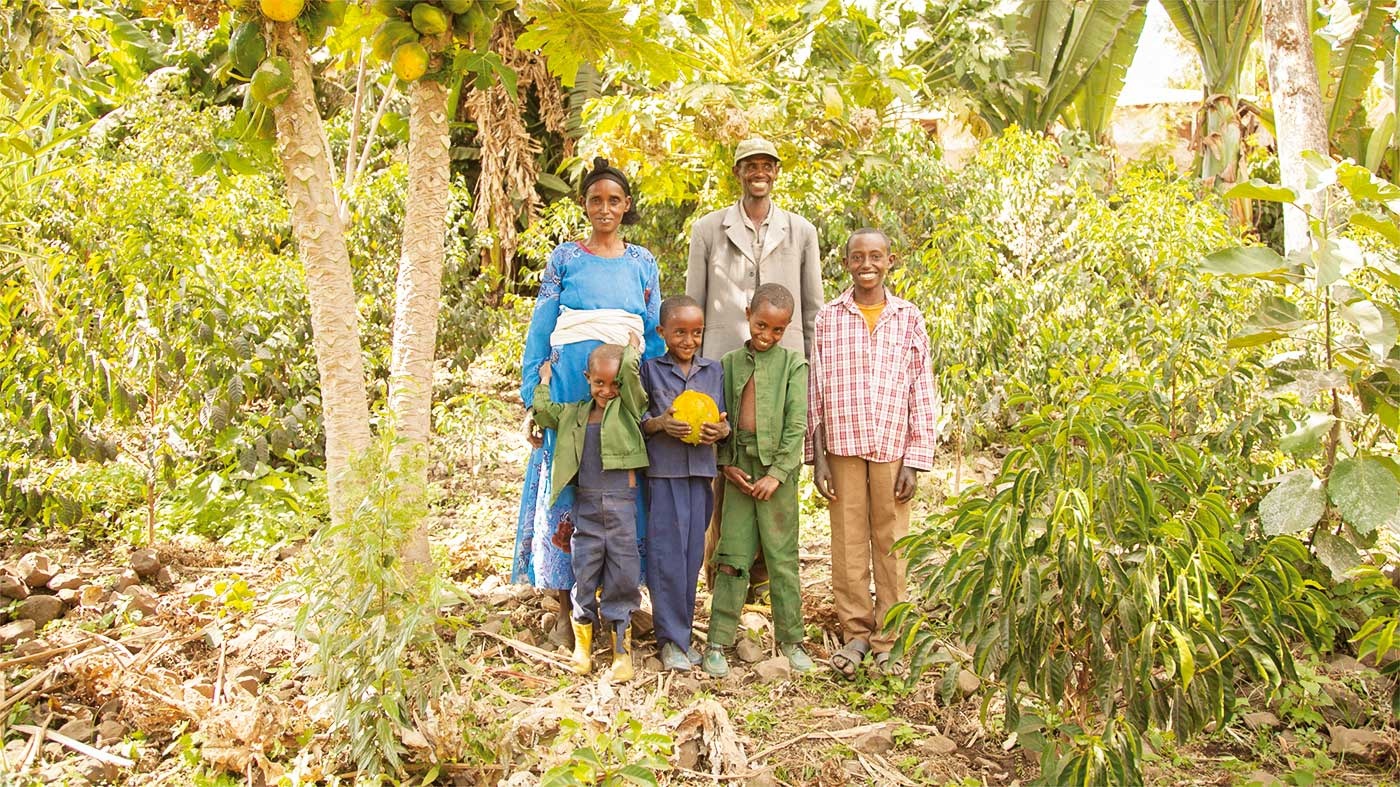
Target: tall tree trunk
[419, 290]
[325, 260]
[1298, 117]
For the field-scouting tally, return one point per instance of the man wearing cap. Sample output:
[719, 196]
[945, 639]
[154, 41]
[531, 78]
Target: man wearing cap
[752, 242]
[732, 251]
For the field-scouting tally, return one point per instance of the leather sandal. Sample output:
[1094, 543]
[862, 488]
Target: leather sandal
[846, 661]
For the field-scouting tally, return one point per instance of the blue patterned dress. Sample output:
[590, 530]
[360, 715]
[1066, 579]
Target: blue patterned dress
[577, 279]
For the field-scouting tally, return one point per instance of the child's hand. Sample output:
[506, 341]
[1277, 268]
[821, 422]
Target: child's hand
[737, 478]
[634, 340]
[905, 483]
[545, 374]
[821, 476]
[674, 426]
[764, 489]
[714, 432]
[534, 435]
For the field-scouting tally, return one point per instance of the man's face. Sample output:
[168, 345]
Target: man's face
[756, 175]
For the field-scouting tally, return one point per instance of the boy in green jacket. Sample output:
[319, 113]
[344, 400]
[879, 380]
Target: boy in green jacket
[766, 384]
[598, 448]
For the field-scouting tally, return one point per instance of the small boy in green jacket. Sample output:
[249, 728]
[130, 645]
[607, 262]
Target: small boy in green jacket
[599, 447]
[766, 385]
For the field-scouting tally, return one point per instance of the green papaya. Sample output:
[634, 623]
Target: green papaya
[246, 48]
[505, 5]
[429, 20]
[457, 6]
[462, 27]
[390, 36]
[272, 82]
[335, 11]
[392, 8]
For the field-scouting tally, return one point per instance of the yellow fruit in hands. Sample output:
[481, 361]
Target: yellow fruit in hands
[695, 409]
[281, 10]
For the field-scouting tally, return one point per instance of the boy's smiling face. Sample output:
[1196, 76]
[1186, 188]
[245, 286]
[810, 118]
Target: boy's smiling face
[602, 380]
[868, 259]
[767, 324]
[683, 332]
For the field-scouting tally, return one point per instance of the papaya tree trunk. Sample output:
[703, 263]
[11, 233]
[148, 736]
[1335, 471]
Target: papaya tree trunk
[419, 289]
[325, 260]
[1299, 120]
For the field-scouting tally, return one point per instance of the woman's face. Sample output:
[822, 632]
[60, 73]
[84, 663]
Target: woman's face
[605, 203]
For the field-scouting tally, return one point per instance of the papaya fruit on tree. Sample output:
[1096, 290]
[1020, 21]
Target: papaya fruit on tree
[390, 36]
[429, 19]
[272, 82]
[410, 61]
[246, 48]
[281, 10]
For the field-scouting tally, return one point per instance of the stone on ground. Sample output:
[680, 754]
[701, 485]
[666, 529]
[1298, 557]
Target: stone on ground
[13, 632]
[40, 609]
[776, 668]
[1352, 742]
[877, 741]
[13, 587]
[938, 746]
[65, 581]
[1262, 720]
[145, 563]
[968, 683]
[36, 569]
[749, 651]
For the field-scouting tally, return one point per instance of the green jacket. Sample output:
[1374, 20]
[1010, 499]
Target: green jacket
[623, 445]
[780, 397]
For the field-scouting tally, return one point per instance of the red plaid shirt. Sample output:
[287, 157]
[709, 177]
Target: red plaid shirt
[873, 390]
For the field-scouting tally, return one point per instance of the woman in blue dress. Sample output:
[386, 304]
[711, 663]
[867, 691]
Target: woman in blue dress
[600, 289]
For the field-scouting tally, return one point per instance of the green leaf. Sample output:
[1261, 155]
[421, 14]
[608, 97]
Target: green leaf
[1377, 326]
[1366, 494]
[1363, 184]
[1293, 506]
[1382, 227]
[1304, 439]
[1184, 655]
[1254, 188]
[1244, 261]
[1336, 553]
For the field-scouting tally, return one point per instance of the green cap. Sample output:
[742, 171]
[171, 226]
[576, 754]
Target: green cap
[755, 146]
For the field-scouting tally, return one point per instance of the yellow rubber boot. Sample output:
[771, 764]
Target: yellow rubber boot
[621, 670]
[583, 647]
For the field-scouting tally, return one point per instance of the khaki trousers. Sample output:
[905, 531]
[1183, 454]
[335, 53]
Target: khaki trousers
[865, 522]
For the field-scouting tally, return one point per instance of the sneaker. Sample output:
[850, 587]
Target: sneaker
[693, 654]
[673, 658]
[796, 656]
[714, 663]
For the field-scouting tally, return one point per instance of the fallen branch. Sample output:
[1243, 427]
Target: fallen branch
[539, 654]
[35, 743]
[837, 735]
[81, 748]
[40, 656]
[23, 690]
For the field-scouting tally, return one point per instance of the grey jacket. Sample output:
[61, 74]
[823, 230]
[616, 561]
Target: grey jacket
[722, 274]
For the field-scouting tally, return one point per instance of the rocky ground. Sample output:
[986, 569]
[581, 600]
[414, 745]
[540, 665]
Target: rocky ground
[178, 665]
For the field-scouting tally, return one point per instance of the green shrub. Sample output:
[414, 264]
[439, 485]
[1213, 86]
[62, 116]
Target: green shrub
[1102, 584]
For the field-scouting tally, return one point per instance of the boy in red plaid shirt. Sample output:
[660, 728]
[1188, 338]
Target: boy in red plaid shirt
[871, 425]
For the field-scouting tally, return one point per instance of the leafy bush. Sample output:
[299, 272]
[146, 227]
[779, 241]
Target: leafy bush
[1103, 583]
[371, 618]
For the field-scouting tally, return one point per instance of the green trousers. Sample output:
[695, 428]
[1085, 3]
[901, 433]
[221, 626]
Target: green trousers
[745, 523]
